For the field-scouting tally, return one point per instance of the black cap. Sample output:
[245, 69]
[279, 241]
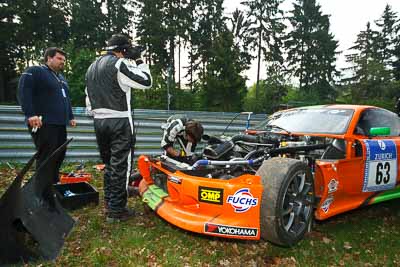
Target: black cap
[118, 42]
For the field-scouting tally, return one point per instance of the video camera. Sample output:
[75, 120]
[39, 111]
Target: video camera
[134, 52]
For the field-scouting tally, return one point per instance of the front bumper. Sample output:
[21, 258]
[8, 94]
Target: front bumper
[226, 208]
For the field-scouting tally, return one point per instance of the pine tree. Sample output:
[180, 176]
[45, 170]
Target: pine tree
[8, 49]
[27, 28]
[209, 24]
[396, 55]
[40, 24]
[369, 75]
[118, 17]
[386, 37]
[224, 86]
[87, 24]
[239, 27]
[396, 51]
[267, 26]
[311, 49]
[152, 34]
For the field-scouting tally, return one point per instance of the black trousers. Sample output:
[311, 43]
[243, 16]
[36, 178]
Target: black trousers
[116, 140]
[47, 139]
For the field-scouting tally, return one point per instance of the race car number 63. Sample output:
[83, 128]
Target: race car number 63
[380, 165]
[382, 173]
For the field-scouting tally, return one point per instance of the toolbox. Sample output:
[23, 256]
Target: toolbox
[67, 178]
[76, 195]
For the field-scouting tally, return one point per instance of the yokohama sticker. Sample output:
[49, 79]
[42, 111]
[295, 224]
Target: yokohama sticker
[228, 230]
[242, 200]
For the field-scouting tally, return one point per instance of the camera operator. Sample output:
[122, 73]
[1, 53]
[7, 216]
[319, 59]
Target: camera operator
[109, 80]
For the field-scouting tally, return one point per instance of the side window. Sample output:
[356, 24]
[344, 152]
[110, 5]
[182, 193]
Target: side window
[371, 118]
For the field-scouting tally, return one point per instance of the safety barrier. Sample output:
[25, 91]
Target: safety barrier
[16, 143]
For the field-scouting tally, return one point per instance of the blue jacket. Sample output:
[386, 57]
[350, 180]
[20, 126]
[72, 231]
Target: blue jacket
[42, 92]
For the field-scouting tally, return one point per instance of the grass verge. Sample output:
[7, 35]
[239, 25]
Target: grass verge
[364, 237]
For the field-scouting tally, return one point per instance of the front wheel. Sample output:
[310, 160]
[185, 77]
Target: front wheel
[287, 200]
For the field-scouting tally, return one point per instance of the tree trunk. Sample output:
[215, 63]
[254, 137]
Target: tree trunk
[259, 61]
[191, 76]
[2, 87]
[179, 63]
[172, 57]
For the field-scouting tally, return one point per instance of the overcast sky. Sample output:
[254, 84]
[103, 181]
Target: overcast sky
[347, 18]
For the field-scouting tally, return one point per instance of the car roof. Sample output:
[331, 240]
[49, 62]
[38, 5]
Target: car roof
[333, 106]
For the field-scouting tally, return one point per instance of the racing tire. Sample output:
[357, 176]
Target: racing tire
[287, 200]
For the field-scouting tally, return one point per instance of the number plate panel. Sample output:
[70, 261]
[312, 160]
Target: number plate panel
[380, 165]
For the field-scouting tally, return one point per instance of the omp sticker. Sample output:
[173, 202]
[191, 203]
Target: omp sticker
[380, 165]
[211, 195]
[242, 200]
[327, 203]
[229, 230]
[333, 186]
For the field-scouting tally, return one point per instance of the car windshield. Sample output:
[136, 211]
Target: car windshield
[309, 120]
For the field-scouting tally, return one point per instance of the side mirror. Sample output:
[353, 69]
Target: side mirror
[379, 131]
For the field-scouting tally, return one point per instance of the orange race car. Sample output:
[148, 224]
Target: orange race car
[270, 182]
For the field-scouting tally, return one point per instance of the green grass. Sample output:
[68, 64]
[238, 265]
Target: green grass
[364, 237]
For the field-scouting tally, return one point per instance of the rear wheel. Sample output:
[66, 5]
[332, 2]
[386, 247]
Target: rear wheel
[287, 200]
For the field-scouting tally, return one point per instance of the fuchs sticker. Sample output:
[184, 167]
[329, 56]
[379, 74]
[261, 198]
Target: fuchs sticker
[174, 179]
[333, 186]
[327, 203]
[380, 165]
[227, 230]
[242, 200]
[211, 195]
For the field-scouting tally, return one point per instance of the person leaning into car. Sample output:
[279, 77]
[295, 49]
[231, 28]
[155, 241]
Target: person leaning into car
[109, 80]
[43, 94]
[185, 132]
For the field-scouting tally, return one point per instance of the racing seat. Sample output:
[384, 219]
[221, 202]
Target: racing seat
[337, 150]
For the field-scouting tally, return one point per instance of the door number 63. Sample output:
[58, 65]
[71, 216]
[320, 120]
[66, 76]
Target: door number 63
[382, 173]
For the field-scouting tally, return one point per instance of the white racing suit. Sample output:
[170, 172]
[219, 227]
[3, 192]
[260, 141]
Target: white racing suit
[108, 95]
[174, 132]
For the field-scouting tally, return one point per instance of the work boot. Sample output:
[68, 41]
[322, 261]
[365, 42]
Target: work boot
[126, 214]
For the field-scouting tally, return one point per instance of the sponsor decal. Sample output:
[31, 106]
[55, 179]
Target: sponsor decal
[382, 144]
[242, 200]
[174, 179]
[211, 195]
[327, 203]
[333, 186]
[229, 230]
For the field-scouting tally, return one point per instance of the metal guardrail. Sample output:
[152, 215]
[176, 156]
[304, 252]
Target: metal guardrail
[16, 143]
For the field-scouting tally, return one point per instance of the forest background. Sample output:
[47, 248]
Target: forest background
[198, 55]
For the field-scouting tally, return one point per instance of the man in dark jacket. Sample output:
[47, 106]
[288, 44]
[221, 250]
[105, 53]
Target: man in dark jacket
[44, 98]
[109, 80]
